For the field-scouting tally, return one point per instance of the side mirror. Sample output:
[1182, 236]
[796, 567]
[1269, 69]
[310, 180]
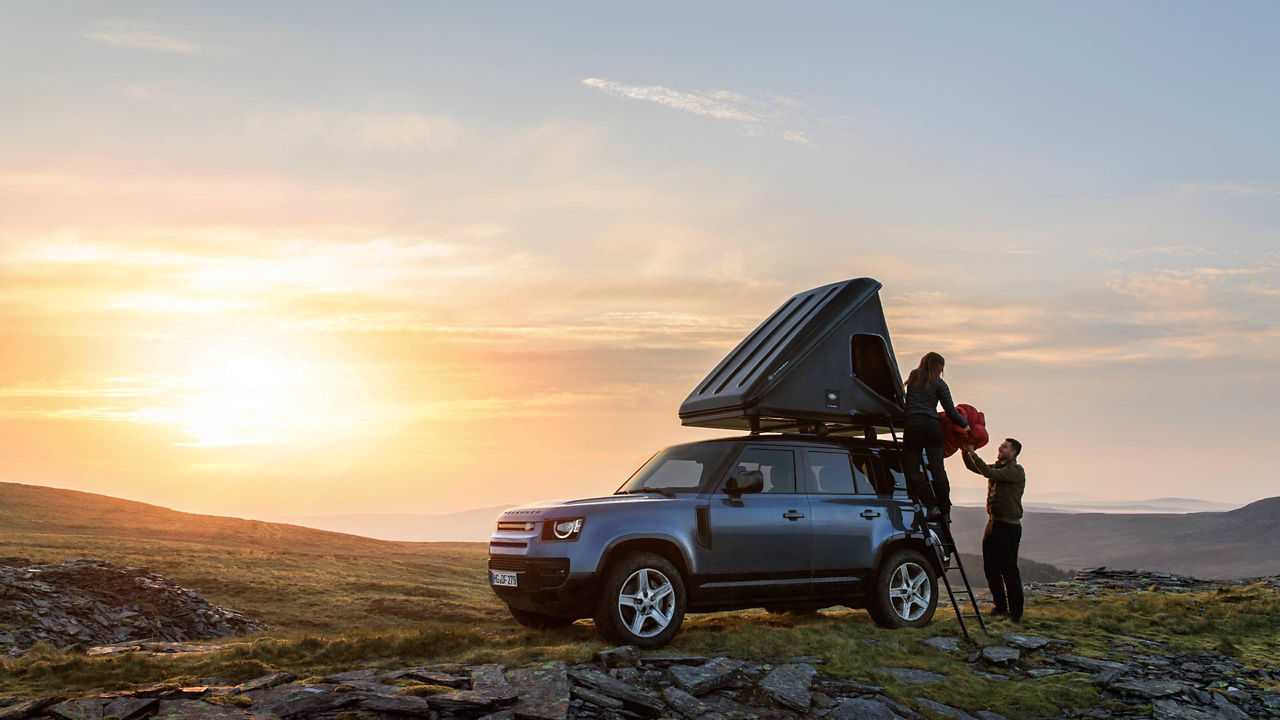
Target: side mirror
[745, 481]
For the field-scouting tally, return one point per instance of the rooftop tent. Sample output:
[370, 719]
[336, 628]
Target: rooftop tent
[823, 357]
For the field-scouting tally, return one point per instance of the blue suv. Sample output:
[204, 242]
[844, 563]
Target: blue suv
[787, 522]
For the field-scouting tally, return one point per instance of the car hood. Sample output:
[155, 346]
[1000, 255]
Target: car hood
[546, 508]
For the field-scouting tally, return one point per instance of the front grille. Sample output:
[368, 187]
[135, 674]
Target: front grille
[516, 526]
[508, 563]
[508, 543]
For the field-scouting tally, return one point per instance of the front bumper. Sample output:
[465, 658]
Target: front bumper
[544, 585]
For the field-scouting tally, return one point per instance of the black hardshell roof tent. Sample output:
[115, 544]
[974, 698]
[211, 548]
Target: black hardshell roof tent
[821, 361]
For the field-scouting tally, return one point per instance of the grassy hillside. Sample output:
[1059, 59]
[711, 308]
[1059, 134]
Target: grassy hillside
[338, 601]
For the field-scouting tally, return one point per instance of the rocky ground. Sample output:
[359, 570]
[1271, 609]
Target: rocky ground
[1138, 678]
[84, 603]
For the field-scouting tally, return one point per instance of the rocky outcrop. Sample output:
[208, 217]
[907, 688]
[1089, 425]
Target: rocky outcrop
[86, 603]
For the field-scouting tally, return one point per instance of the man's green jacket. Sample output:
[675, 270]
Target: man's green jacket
[1005, 483]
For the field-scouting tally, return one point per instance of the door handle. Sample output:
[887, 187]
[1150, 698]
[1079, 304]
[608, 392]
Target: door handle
[793, 514]
[868, 514]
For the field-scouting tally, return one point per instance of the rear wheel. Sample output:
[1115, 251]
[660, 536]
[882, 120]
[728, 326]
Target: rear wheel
[641, 602]
[538, 620]
[905, 592]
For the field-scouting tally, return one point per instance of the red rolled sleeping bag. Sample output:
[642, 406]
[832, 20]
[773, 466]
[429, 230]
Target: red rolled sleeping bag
[953, 435]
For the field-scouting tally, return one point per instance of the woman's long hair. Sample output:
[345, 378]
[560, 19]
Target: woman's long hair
[929, 371]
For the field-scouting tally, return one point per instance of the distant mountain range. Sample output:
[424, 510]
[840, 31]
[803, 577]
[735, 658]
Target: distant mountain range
[1231, 544]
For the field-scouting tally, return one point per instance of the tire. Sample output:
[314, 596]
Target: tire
[539, 621]
[642, 601]
[905, 593]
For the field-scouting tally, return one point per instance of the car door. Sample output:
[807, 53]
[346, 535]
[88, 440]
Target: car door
[761, 540]
[847, 518]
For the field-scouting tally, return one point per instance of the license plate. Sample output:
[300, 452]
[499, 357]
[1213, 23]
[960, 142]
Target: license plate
[498, 577]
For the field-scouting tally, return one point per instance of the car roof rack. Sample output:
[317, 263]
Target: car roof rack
[822, 363]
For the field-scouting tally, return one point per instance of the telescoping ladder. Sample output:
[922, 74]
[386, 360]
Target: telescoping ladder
[937, 536]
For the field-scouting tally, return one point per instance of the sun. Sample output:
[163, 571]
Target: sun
[241, 394]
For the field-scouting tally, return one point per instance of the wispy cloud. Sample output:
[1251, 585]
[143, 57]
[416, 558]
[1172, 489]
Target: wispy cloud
[755, 116]
[1181, 250]
[144, 36]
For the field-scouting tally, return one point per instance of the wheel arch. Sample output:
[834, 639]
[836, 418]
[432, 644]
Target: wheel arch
[901, 542]
[665, 546]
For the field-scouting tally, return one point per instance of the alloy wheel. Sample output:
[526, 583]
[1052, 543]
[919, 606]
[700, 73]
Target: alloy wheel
[909, 591]
[646, 602]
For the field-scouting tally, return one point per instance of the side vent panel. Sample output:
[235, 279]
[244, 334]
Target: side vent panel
[704, 526]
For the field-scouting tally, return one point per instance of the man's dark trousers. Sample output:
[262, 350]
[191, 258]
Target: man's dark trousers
[1000, 564]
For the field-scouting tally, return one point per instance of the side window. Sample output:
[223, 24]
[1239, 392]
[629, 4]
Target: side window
[777, 466]
[863, 471]
[830, 472]
[890, 480]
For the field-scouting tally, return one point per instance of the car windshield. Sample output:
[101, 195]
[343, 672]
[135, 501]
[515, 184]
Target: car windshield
[683, 468]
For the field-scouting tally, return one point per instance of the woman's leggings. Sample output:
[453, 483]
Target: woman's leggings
[923, 434]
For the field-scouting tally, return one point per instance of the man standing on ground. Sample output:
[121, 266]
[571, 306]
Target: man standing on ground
[1005, 482]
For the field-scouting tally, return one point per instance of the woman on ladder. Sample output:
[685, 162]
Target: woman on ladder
[923, 433]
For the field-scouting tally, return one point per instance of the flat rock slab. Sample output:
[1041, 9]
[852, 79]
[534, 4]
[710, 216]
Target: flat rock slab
[470, 702]
[673, 659]
[684, 703]
[702, 679]
[911, 676]
[543, 691]
[621, 656]
[84, 709]
[396, 704]
[593, 679]
[198, 710]
[1091, 664]
[128, 708]
[861, 709]
[600, 700]
[945, 644]
[846, 687]
[988, 715]
[941, 710]
[307, 701]
[490, 679]
[1028, 642]
[26, 708]
[1000, 656]
[264, 682]
[1174, 710]
[1150, 689]
[789, 685]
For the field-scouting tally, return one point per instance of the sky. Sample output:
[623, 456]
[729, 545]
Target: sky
[306, 258]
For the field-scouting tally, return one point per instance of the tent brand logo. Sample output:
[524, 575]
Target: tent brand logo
[833, 399]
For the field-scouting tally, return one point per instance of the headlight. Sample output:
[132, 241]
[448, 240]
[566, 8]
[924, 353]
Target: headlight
[563, 529]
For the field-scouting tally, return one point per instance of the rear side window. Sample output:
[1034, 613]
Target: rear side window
[863, 471]
[830, 472]
[892, 480]
[777, 466]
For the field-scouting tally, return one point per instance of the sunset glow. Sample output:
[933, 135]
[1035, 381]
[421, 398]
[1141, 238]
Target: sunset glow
[450, 257]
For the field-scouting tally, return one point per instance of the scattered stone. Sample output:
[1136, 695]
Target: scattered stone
[989, 676]
[860, 709]
[306, 702]
[198, 710]
[1150, 688]
[945, 711]
[664, 659]
[704, 678]
[84, 709]
[1028, 642]
[491, 680]
[26, 708]
[911, 676]
[945, 644]
[128, 708]
[471, 702]
[598, 699]
[542, 690]
[1000, 656]
[845, 687]
[1038, 673]
[396, 704]
[621, 656]
[264, 682]
[807, 659]
[604, 684]
[789, 685]
[988, 715]
[1092, 664]
[684, 703]
[1174, 710]
[94, 604]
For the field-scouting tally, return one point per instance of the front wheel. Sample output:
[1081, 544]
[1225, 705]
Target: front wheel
[641, 602]
[905, 593]
[538, 620]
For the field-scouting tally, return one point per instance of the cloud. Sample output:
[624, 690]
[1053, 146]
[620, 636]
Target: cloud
[1180, 250]
[141, 36]
[755, 116]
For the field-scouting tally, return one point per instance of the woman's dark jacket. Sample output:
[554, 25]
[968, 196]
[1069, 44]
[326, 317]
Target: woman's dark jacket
[923, 402]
